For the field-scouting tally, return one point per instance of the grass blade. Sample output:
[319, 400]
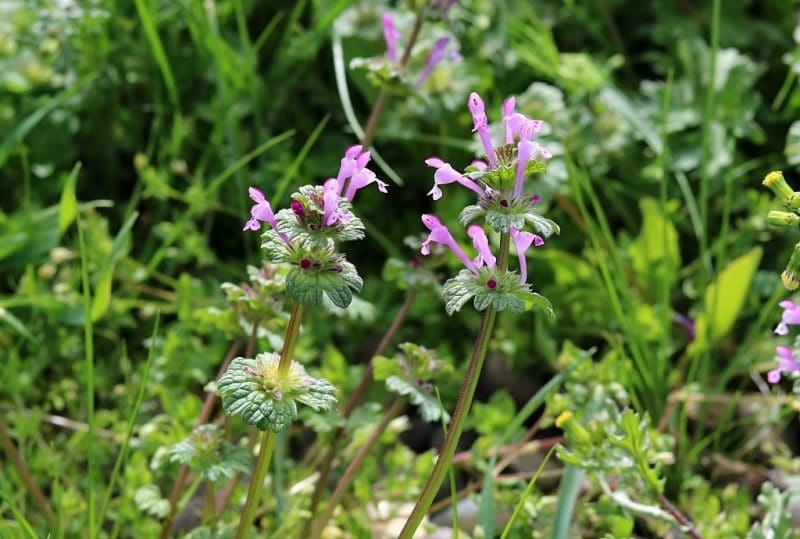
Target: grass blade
[525, 495]
[157, 48]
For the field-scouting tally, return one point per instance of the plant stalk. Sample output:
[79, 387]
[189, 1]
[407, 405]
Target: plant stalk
[268, 437]
[461, 411]
[349, 474]
[456, 425]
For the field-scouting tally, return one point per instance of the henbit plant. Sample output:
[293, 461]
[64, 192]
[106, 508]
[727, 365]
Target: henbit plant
[487, 280]
[265, 391]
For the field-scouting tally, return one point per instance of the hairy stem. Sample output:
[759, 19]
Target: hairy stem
[461, 411]
[268, 437]
[456, 425]
[256, 484]
[202, 419]
[352, 469]
[25, 474]
[355, 399]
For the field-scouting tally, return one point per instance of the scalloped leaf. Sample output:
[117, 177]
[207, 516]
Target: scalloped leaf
[307, 286]
[428, 405]
[501, 221]
[384, 367]
[470, 213]
[457, 291]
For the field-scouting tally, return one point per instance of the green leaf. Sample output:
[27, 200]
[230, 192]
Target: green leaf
[148, 499]
[723, 300]
[429, 407]
[257, 391]
[68, 206]
[307, 285]
[384, 367]
[544, 226]
[537, 302]
[470, 213]
[102, 293]
[792, 149]
[457, 291]
[655, 253]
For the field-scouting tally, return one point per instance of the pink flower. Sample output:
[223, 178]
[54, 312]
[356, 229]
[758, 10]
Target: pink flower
[790, 317]
[436, 55]
[391, 35]
[348, 164]
[330, 200]
[786, 364]
[362, 178]
[481, 243]
[262, 211]
[440, 234]
[445, 174]
[522, 241]
[481, 125]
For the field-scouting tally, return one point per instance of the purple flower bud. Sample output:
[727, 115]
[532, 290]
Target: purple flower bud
[298, 209]
[305, 263]
[481, 125]
[251, 371]
[491, 283]
[391, 35]
[436, 55]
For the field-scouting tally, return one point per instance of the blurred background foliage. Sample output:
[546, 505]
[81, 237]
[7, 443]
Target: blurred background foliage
[157, 115]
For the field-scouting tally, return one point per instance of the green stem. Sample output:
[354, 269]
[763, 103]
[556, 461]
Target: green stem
[292, 333]
[268, 437]
[352, 469]
[256, 484]
[456, 425]
[461, 411]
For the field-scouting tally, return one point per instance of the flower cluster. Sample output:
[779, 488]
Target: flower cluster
[498, 182]
[305, 234]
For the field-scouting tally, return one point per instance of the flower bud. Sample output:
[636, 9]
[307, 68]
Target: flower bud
[575, 432]
[777, 184]
[782, 219]
[791, 275]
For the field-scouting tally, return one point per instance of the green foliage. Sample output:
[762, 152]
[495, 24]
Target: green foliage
[507, 293]
[209, 455]
[265, 396]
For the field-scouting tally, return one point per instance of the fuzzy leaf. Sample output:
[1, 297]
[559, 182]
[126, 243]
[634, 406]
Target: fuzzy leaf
[457, 291]
[501, 221]
[428, 405]
[148, 499]
[470, 213]
[256, 391]
[544, 226]
[307, 286]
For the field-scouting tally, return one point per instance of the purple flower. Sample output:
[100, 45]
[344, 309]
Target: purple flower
[481, 125]
[262, 211]
[348, 164]
[330, 200]
[440, 234]
[436, 55]
[391, 35]
[481, 243]
[790, 317]
[445, 173]
[362, 178]
[522, 240]
[786, 364]
[354, 167]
